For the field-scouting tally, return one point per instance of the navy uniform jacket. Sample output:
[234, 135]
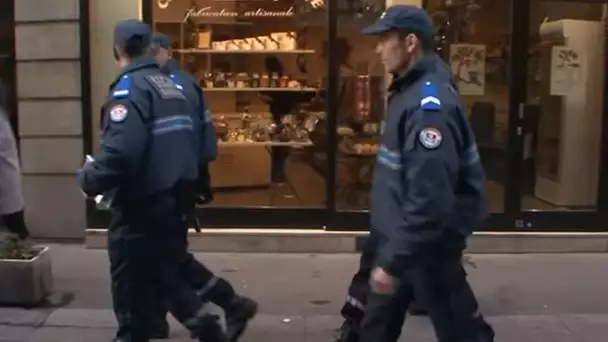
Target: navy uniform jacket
[428, 187]
[207, 142]
[147, 143]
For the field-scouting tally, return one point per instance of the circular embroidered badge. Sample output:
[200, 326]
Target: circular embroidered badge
[430, 138]
[118, 113]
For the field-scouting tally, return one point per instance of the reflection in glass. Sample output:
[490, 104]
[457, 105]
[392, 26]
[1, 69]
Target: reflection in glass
[565, 106]
[260, 64]
[361, 102]
[473, 38]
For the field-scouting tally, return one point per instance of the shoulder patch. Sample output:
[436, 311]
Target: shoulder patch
[429, 97]
[430, 138]
[165, 87]
[121, 89]
[118, 113]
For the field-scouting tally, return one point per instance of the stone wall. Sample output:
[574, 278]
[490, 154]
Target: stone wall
[47, 35]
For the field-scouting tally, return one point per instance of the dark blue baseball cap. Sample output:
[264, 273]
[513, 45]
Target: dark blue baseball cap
[403, 18]
[161, 40]
[126, 30]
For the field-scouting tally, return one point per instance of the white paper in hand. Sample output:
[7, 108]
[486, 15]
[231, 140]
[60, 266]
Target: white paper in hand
[88, 159]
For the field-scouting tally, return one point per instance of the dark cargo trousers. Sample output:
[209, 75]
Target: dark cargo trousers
[358, 290]
[439, 280]
[144, 261]
[206, 285]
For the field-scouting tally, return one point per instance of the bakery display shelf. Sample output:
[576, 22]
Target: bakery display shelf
[239, 115]
[226, 89]
[261, 52]
[353, 153]
[266, 143]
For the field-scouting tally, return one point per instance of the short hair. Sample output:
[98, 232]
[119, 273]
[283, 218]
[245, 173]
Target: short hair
[135, 47]
[426, 43]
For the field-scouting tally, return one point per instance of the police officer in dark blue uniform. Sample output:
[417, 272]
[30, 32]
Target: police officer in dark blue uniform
[358, 289]
[147, 160]
[238, 309]
[427, 193]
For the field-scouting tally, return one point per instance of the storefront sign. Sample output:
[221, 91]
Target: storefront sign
[213, 12]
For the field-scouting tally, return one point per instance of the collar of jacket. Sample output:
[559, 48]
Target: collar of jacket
[405, 79]
[139, 63]
[170, 67]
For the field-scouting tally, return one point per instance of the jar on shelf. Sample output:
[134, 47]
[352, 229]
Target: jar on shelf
[230, 80]
[274, 80]
[264, 81]
[255, 80]
[284, 82]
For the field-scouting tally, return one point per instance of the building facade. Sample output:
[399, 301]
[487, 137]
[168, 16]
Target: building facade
[297, 98]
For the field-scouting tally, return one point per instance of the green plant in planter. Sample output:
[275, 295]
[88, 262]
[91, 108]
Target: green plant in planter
[13, 248]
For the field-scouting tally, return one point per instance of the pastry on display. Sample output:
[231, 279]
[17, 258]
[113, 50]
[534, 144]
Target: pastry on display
[221, 129]
[362, 147]
[365, 148]
[285, 41]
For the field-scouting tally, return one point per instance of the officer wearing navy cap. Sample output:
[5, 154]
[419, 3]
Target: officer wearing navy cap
[147, 157]
[238, 309]
[207, 139]
[427, 192]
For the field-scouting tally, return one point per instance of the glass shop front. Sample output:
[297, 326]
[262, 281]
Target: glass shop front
[297, 97]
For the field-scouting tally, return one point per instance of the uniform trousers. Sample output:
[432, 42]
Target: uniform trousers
[144, 261]
[207, 286]
[439, 279]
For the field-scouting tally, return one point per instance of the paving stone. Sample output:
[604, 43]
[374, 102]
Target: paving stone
[15, 334]
[587, 328]
[16, 316]
[531, 328]
[83, 318]
[56, 334]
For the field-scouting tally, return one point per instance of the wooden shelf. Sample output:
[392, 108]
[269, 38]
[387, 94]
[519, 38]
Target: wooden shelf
[245, 52]
[260, 89]
[266, 143]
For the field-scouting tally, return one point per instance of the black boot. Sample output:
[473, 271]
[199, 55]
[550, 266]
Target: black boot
[240, 311]
[160, 331]
[347, 333]
[207, 328]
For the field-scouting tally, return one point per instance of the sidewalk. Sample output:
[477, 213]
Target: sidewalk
[535, 298]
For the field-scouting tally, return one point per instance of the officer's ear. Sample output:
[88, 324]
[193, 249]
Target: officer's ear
[116, 55]
[411, 42]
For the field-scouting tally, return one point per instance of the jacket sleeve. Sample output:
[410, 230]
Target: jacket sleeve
[122, 149]
[431, 163]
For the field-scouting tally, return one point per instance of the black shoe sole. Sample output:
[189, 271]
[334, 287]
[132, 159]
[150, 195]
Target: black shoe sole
[237, 325]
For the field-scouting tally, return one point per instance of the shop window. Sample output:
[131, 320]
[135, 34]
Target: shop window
[261, 66]
[566, 91]
[361, 104]
[473, 37]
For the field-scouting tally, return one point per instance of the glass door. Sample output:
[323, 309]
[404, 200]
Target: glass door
[474, 39]
[558, 133]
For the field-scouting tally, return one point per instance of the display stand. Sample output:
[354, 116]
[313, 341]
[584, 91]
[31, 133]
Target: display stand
[572, 97]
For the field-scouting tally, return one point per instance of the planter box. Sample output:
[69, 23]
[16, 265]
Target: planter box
[26, 282]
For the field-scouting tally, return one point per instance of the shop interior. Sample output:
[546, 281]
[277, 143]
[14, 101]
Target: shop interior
[262, 66]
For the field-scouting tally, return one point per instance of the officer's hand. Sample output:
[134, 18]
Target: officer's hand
[381, 282]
